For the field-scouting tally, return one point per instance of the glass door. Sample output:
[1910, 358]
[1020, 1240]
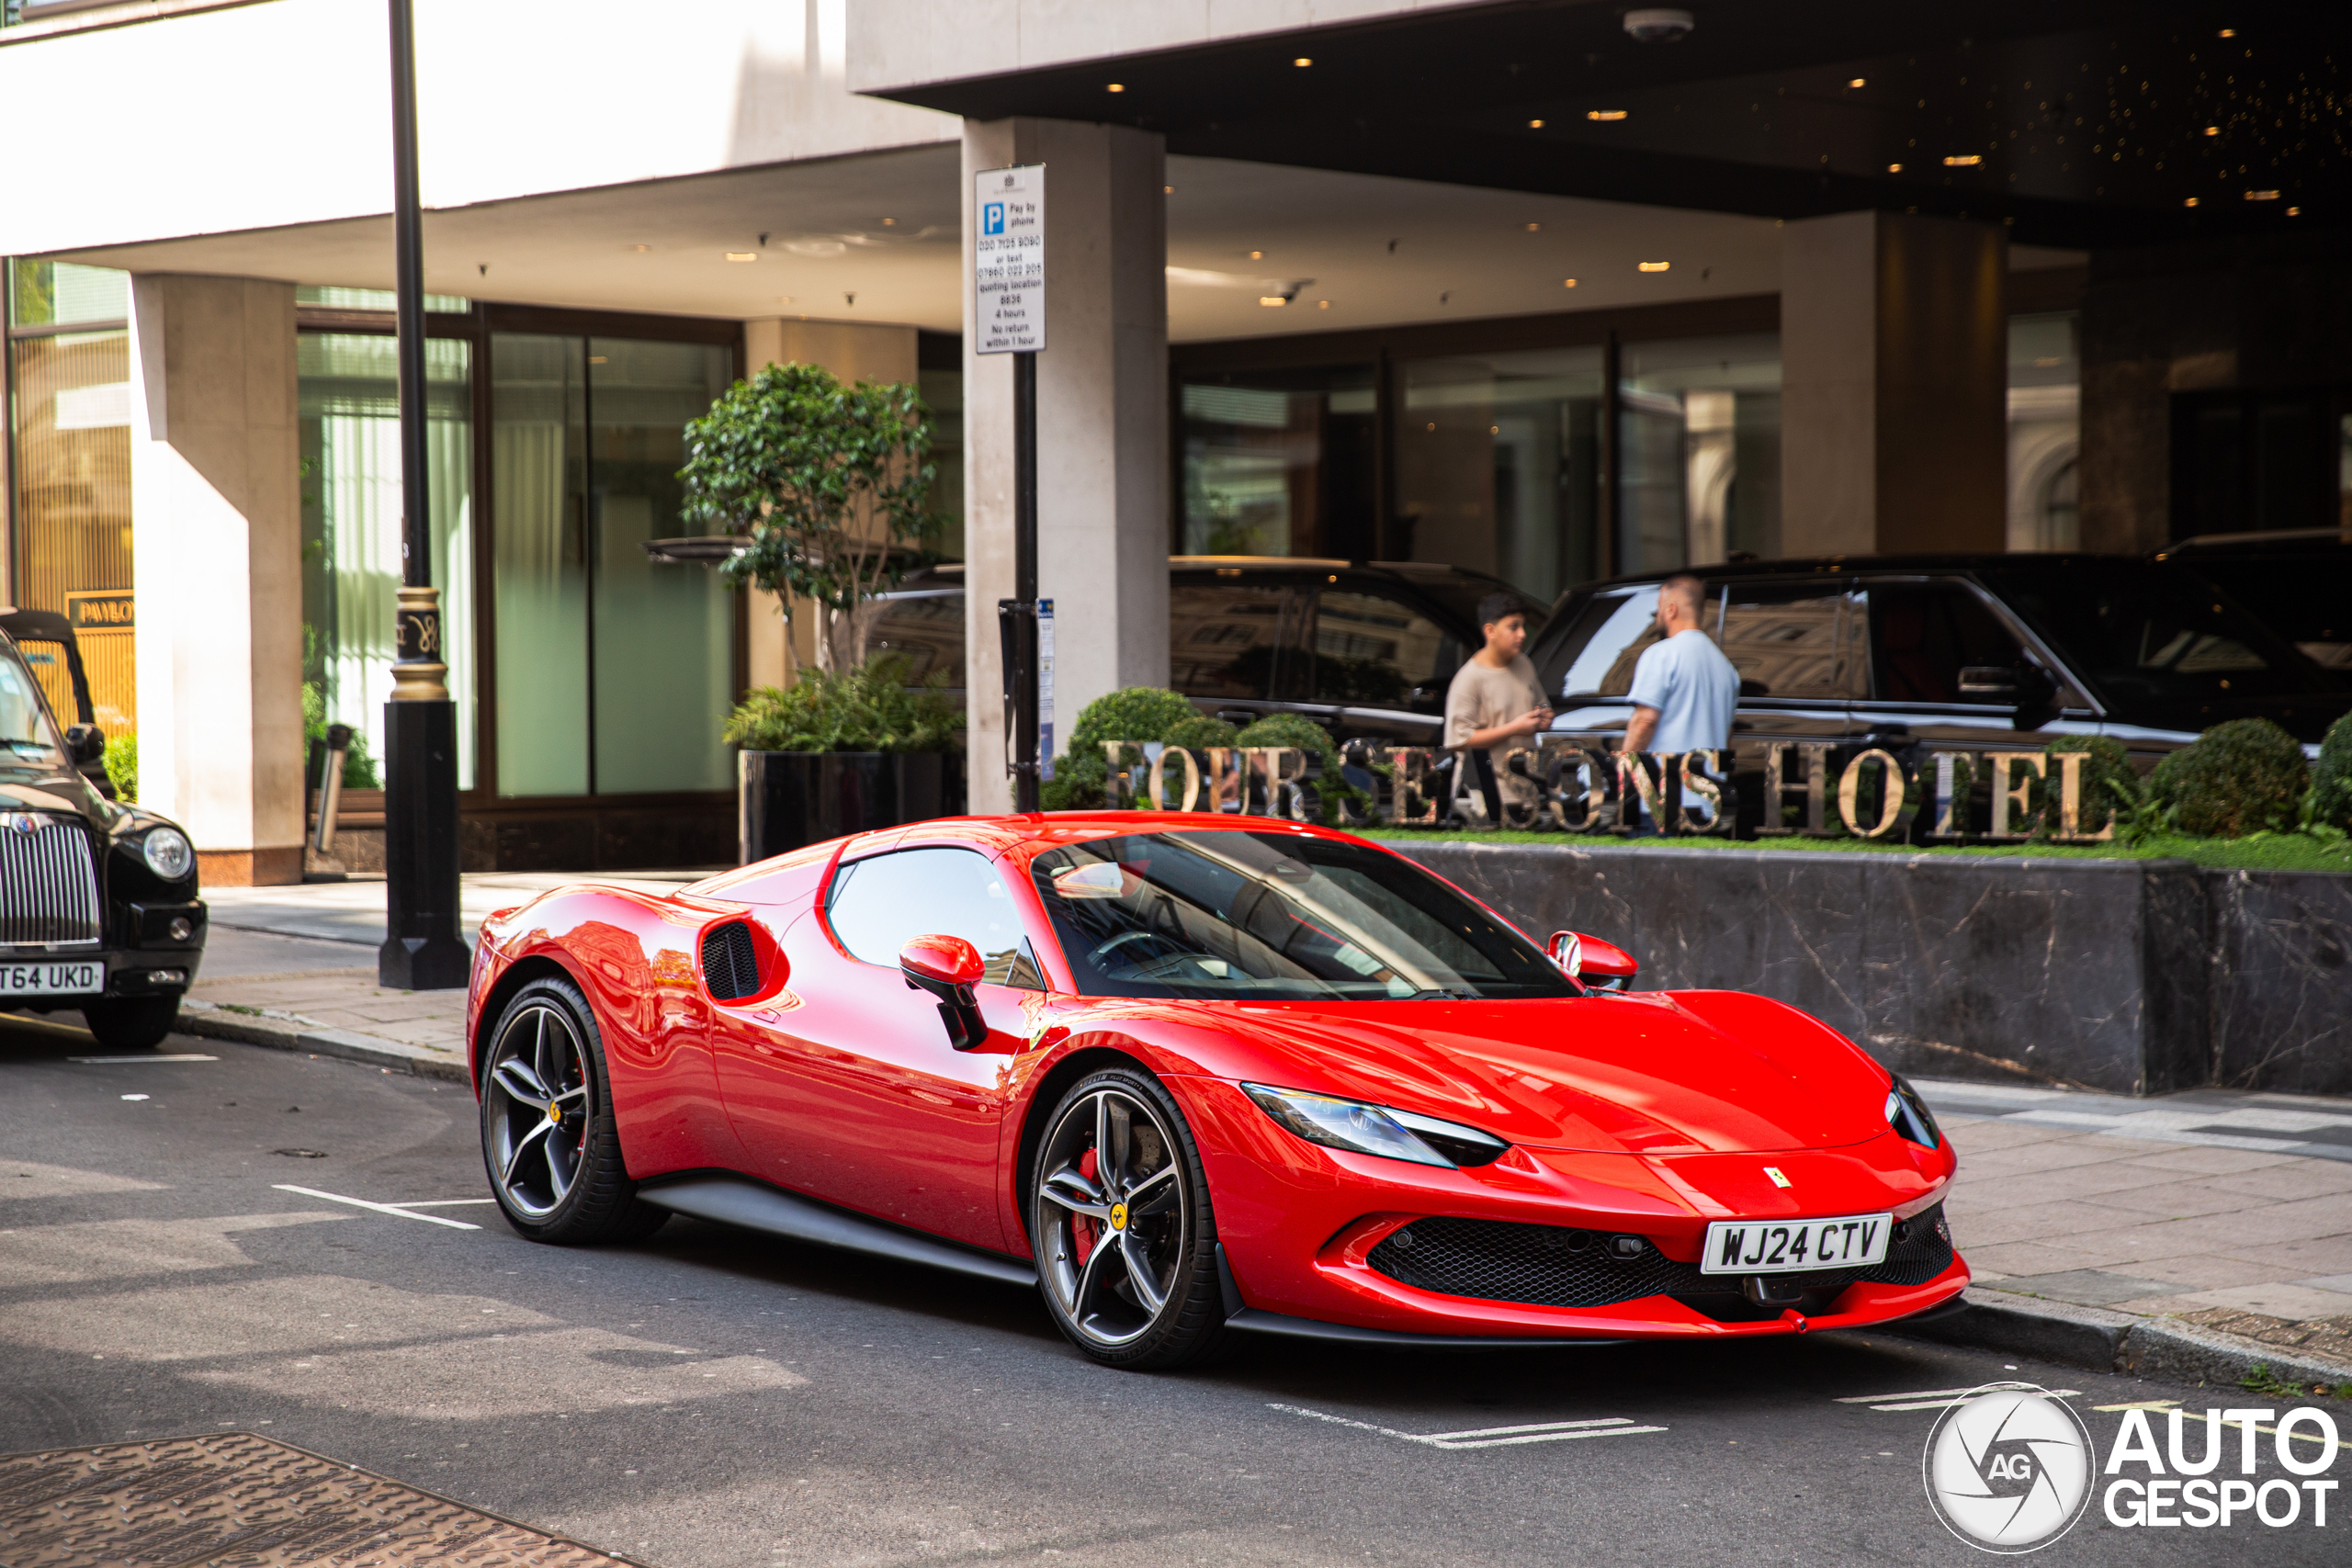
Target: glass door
[614, 674]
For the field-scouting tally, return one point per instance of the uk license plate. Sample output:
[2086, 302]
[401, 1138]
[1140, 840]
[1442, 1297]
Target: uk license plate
[78, 978]
[1781, 1246]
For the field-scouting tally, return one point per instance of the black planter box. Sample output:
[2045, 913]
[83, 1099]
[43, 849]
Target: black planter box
[790, 799]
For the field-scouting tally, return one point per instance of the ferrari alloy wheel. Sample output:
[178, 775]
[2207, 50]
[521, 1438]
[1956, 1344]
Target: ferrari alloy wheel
[1119, 1212]
[548, 1137]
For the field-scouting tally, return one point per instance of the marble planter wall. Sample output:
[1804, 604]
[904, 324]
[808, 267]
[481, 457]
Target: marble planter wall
[2132, 977]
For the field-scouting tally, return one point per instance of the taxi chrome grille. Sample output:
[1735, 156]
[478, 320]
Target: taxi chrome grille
[49, 884]
[1498, 1260]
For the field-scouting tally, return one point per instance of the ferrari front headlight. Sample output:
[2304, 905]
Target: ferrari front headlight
[1908, 1114]
[1375, 1129]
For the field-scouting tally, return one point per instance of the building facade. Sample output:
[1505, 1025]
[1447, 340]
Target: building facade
[1499, 285]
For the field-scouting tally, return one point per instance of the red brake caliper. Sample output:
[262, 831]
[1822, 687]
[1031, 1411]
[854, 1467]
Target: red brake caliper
[1083, 1230]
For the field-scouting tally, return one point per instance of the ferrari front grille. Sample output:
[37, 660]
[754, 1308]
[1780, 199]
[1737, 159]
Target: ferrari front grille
[1497, 1260]
[48, 886]
[730, 966]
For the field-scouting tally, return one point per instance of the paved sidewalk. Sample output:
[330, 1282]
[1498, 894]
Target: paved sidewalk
[353, 910]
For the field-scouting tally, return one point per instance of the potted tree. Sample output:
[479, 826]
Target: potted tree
[828, 487]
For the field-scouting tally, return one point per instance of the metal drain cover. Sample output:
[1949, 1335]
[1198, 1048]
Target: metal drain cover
[233, 1500]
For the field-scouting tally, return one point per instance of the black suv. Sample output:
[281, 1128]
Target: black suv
[1365, 649]
[2297, 581]
[1978, 652]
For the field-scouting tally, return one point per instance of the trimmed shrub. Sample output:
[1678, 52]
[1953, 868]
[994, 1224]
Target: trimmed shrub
[1132, 713]
[2245, 776]
[2332, 777]
[1298, 730]
[1199, 732]
[871, 709]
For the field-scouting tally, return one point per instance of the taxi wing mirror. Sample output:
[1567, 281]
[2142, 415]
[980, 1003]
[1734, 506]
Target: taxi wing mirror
[949, 967]
[85, 742]
[1598, 965]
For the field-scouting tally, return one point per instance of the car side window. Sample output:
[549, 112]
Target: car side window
[1229, 639]
[1797, 642]
[1375, 652]
[878, 905]
[1923, 635]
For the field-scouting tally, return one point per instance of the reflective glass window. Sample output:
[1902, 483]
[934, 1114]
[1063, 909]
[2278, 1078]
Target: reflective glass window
[1375, 650]
[878, 905]
[1698, 441]
[2045, 430]
[1234, 639]
[1278, 463]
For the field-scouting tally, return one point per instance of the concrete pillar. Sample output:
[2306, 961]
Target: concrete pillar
[1102, 430]
[216, 561]
[1895, 382]
[853, 352]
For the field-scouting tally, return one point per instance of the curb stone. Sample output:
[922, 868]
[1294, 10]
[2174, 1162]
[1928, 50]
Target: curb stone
[2099, 1341]
[288, 1031]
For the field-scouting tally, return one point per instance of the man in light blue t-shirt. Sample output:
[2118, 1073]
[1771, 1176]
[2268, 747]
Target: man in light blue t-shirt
[1684, 689]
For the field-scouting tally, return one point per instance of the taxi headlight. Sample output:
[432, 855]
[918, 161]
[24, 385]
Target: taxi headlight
[168, 853]
[1375, 1129]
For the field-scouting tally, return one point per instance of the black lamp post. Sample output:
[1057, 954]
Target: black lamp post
[421, 950]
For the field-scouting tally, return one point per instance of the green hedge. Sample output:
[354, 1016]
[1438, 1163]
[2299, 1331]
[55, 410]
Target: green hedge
[2245, 776]
[872, 709]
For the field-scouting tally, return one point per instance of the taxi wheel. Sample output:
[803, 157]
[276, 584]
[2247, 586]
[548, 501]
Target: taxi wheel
[1125, 1240]
[132, 1024]
[548, 1137]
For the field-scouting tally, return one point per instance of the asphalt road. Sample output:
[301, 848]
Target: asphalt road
[711, 1399]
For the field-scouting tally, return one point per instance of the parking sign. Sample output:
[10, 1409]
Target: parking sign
[1009, 259]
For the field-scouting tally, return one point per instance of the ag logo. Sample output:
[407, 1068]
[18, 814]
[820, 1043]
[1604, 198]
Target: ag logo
[2008, 1468]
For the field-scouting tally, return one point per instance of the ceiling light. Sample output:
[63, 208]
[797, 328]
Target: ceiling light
[1567, 283]
[1257, 256]
[2213, 131]
[1654, 266]
[1271, 299]
[2050, 363]
[2190, 202]
[784, 299]
[1894, 168]
[1302, 62]
[1322, 304]
[1116, 87]
[889, 222]
[742, 255]
[1534, 125]
[1535, 227]
[1168, 190]
[1604, 114]
[1494, 430]
[2228, 33]
[2294, 212]
[2262, 196]
[640, 248]
[1858, 82]
[1964, 161]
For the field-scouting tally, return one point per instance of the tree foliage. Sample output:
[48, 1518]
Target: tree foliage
[829, 486]
[870, 709]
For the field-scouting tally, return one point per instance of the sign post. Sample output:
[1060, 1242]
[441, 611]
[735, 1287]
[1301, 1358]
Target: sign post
[1009, 313]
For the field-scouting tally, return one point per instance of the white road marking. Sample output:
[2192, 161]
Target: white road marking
[380, 1208]
[439, 1202]
[176, 1056]
[1931, 1398]
[1487, 1436]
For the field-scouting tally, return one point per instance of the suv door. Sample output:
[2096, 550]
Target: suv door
[1382, 664]
[1237, 645]
[1923, 633]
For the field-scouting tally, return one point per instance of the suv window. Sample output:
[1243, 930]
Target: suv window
[1922, 635]
[1802, 642]
[1230, 639]
[878, 905]
[1372, 651]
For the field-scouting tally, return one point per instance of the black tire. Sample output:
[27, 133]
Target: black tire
[551, 1148]
[132, 1024]
[1083, 1227]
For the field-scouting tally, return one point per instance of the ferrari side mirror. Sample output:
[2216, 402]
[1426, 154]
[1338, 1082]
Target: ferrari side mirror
[1599, 965]
[949, 967]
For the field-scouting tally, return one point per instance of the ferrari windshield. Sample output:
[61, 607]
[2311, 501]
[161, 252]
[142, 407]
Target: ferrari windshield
[27, 738]
[1277, 917]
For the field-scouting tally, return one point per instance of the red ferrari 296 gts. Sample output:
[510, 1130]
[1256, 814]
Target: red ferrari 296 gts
[1193, 1076]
